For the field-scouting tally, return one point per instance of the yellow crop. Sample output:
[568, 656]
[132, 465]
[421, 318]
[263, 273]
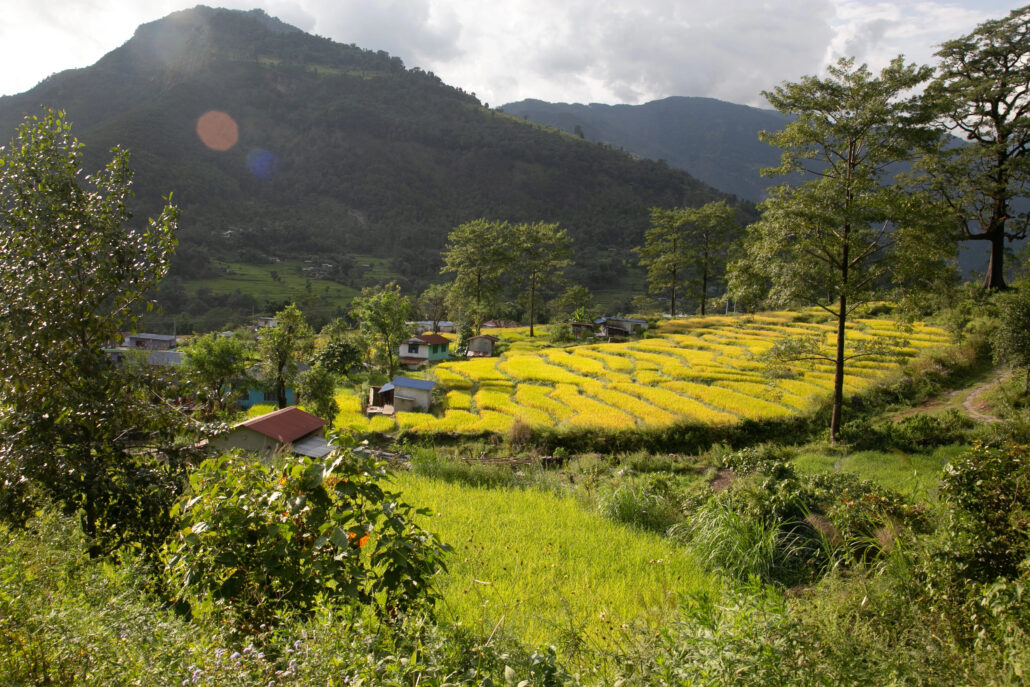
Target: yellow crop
[745, 406]
[458, 400]
[591, 412]
[682, 406]
[537, 397]
[531, 368]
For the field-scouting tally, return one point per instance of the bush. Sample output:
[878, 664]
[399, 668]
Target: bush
[918, 432]
[650, 504]
[263, 541]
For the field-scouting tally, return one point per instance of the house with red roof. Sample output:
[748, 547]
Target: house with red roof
[290, 429]
[423, 349]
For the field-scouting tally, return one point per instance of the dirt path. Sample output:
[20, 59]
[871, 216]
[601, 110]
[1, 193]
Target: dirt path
[971, 400]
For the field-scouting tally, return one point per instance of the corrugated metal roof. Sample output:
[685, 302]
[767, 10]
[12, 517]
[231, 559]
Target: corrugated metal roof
[409, 383]
[313, 447]
[285, 425]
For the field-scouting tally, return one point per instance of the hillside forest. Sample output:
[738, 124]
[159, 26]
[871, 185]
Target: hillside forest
[800, 458]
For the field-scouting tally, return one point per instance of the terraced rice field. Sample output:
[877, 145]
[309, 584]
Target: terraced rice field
[704, 370]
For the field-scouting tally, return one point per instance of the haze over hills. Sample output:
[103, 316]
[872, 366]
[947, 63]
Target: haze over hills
[713, 140]
[340, 151]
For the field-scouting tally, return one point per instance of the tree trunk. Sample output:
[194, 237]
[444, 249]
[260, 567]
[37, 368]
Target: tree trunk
[995, 277]
[280, 393]
[672, 296]
[532, 298]
[704, 289]
[838, 372]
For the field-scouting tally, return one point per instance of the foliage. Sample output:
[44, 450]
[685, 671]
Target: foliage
[919, 432]
[989, 490]
[212, 363]
[575, 304]
[82, 430]
[1012, 338]
[282, 349]
[266, 541]
[981, 91]
[830, 241]
[339, 355]
[382, 314]
[317, 388]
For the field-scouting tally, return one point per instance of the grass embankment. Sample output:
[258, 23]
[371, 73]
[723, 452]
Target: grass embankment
[540, 568]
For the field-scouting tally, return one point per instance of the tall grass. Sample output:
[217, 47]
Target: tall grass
[539, 567]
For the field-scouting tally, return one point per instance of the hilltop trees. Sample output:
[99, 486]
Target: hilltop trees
[981, 92]
[477, 255]
[688, 246]
[836, 240]
[539, 252]
[72, 275]
[489, 258]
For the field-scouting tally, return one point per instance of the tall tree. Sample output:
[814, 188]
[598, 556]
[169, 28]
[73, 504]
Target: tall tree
[539, 252]
[282, 348]
[212, 362]
[382, 314]
[477, 254]
[835, 241]
[666, 253]
[432, 304]
[982, 93]
[711, 229]
[72, 275]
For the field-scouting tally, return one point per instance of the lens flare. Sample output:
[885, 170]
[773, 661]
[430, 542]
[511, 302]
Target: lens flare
[217, 130]
[262, 163]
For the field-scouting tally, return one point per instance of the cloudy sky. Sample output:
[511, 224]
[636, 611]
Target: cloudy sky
[615, 51]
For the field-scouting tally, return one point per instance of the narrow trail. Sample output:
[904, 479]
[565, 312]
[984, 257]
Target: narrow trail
[970, 400]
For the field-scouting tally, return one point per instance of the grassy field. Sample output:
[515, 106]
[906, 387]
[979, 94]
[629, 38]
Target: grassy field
[539, 567]
[700, 370]
[257, 281]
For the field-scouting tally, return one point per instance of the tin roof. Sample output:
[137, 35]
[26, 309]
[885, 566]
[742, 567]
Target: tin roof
[285, 425]
[408, 383]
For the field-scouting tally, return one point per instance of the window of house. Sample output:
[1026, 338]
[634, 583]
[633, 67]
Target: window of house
[413, 348]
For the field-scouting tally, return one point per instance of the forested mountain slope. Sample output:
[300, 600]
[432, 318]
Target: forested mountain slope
[340, 150]
[711, 139]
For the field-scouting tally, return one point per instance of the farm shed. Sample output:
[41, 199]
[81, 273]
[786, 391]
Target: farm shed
[402, 394]
[582, 330]
[481, 346]
[422, 349]
[290, 429]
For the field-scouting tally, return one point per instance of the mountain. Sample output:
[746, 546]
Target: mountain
[713, 140]
[338, 152]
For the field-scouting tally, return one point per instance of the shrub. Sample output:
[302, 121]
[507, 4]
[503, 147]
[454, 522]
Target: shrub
[263, 540]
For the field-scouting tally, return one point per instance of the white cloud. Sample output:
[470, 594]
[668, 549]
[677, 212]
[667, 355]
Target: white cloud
[574, 50]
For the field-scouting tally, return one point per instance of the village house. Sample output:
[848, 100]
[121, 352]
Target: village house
[149, 342]
[266, 322]
[402, 394]
[290, 429]
[620, 327]
[481, 346]
[422, 349]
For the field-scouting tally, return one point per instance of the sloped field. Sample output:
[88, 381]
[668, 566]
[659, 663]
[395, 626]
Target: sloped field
[701, 370]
